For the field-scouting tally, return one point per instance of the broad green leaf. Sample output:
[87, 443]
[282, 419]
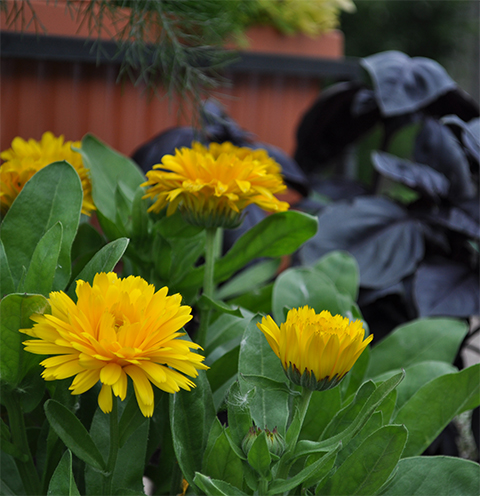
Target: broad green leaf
[276, 235]
[416, 376]
[297, 287]
[40, 273]
[15, 312]
[349, 413]
[374, 423]
[223, 331]
[62, 482]
[250, 278]
[314, 473]
[342, 269]
[239, 416]
[130, 465]
[269, 409]
[214, 487]
[54, 194]
[106, 168]
[10, 481]
[104, 260]
[223, 370]
[370, 465]
[139, 229]
[88, 240]
[380, 393]
[438, 475]
[191, 416]
[206, 303]
[71, 431]
[259, 300]
[322, 408]
[6, 280]
[421, 340]
[259, 457]
[434, 405]
[131, 419]
[222, 463]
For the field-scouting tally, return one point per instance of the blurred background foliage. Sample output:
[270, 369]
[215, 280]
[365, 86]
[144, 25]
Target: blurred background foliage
[444, 30]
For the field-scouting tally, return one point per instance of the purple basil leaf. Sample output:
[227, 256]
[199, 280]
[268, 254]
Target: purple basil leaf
[445, 287]
[456, 220]
[386, 242]
[403, 84]
[437, 147]
[419, 177]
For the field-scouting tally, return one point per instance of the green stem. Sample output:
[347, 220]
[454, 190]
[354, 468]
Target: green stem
[208, 281]
[25, 465]
[262, 487]
[114, 443]
[299, 418]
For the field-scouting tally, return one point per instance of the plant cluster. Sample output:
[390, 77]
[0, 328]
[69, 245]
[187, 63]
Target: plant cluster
[230, 401]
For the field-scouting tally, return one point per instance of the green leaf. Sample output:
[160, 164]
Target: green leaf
[106, 168]
[349, 413]
[267, 384]
[421, 340]
[6, 280]
[250, 278]
[131, 419]
[139, 229]
[41, 272]
[259, 457]
[62, 482]
[258, 300]
[314, 473]
[446, 396]
[10, 481]
[224, 334]
[416, 376]
[342, 269]
[15, 312]
[369, 466]
[191, 416]
[71, 431]
[130, 465]
[222, 463]
[276, 235]
[380, 393]
[239, 416]
[269, 409]
[54, 194]
[214, 487]
[297, 287]
[104, 260]
[223, 370]
[206, 303]
[322, 408]
[438, 475]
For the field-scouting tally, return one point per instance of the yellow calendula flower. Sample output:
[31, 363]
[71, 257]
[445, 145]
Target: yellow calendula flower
[25, 158]
[316, 350]
[212, 186]
[118, 328]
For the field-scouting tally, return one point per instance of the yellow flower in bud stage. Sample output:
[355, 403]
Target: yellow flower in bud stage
[118, 328]
[212, 186]
[25, 158]
[316, 350]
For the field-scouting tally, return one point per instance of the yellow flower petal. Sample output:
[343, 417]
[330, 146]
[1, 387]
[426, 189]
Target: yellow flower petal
[117, 327]
[24, 159]
[316, 350]
[212, 186]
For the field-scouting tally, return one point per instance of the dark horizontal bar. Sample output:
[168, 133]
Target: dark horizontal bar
[71, 49]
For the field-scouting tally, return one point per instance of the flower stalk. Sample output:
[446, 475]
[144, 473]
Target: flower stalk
[114, 445]
[26, 467]
[208, 281]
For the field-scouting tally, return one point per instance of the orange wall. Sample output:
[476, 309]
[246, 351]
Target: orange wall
[75, 98]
